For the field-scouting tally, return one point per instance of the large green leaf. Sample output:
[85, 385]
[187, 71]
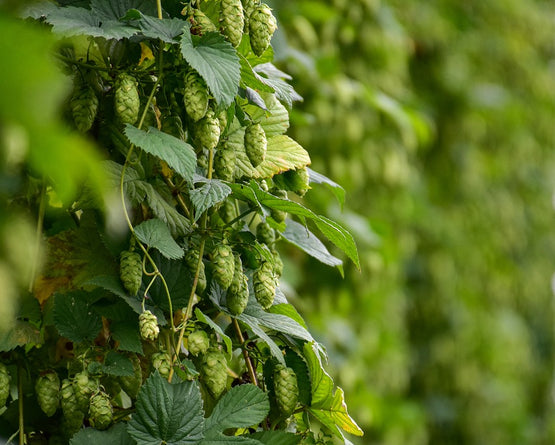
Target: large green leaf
[274, 120]
[164, 29]
[117, 364]
[276, 437]
[75, 318]
[337, 190]
[116, 435]
[155, 233]
[304, 239]
[216, 61]
[327, 405]
[268, 74]
[212, 192]
[167, 413]
[115, 10]
[176, 153]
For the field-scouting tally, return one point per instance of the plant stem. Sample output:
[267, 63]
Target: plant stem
[159, 8]
[20, 403]
[248, 361]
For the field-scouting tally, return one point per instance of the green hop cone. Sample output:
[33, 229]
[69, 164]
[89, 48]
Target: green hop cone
[207, 131]
[161, 361]
[47, 388]
[224, 163]
[232, 20]
[248, 8]
[228, 211]
[195, 97]
[222, 120]
[297, 181]
[84, 387]
[255, 144]
[191, 261]
[131, 271]
[132, 383]
[279, 215]
[172, 125]
[286, 389]
[198, 342]
[265, 282]
[84, 106]
[237, 301]
[148, 326]
[73, 417]
[236, 283]
[200, 23]
[4, 384]
[265, 234]
[277, 263]
[126, 99]
[213, 372]
[223, 264]
[101, 412]
[262, 25]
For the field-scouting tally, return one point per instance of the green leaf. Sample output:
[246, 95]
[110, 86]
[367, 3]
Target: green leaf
[289, 311]
[268, 74]
[204, 319]
[318, 178]
[216, 61]
[250, 79]
[328, 407]
[299, 365]
[178, 279]
[276, 437]
[304, 239]
[20, 333]
[165, 29]
[127, 335]
[115, 10]
[242, 406]
[116, 435]
[75, 318]
[179, 155]
[117, 364]
[167, 413]
[274, 120]
[155, 233]
[212, 192]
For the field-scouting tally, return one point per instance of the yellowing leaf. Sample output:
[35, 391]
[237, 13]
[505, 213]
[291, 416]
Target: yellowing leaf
[146, 53]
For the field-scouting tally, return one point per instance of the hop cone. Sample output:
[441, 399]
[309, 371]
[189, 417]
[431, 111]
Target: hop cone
[47, 388]
[255, 144]
[100, 411]
[286, 389]
[222, 120]
[223, 264]
[73, 416]
[195, 97]
[84, 387]
[126, 99]
[84, 105]
[232, 20]
[278, 263]
[132, 383]
[191, 261]
[262, 25]
[207, 131]
[265, 234]
[213, 372]
[227, 211]
[237, 301]
[148, 326]
[224, 163]
[173, 125]
[200, 23]
[198, 342]
[162, 362]
[4, 384]
[248, 8]
[264, 281]
[131, 271]
[279, 215]
[297, 181]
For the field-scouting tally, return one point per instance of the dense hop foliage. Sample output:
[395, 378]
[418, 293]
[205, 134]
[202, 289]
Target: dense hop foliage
[157, 315]
[446, 110]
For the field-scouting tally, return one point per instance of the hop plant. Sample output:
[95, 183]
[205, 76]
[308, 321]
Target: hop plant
[161, 361]
[223, 264]
[200, 23]
[131, 271]
[47, 388]
[265, 234]
[213, 372]
[264, 281]
[132, 383]
[232, 20]
[255, 144]
[84, 386]
[195, 97]
[101, 412]
[198, 342]
[262, 25]
[148, 326]
[286, 389]
[4, 384]
[72, 415]
[224, 163]
[207, 131]
[191, 261]
[84, 106]
[126, 100]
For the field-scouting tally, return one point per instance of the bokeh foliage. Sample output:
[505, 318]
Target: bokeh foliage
[437, 117]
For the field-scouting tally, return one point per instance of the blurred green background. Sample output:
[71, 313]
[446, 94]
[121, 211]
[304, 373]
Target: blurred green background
[438, 118]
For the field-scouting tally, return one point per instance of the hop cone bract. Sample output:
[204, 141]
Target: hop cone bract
[162, 362]
[198, 342]
[148, 326]
[100, 411]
